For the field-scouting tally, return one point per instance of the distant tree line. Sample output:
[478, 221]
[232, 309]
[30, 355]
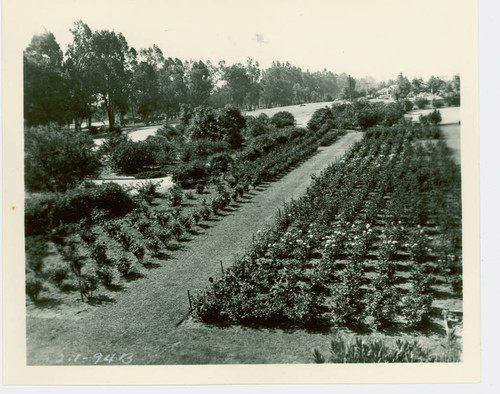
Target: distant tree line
[101, 77]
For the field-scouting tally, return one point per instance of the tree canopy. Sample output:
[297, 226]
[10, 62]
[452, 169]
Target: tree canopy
[100, 75]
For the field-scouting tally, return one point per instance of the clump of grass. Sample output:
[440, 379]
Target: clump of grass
[343, 351]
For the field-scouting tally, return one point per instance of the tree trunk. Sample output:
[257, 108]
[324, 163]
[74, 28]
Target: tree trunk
[111, 115]
[122, 119]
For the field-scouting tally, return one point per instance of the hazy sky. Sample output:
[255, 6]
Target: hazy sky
[379, 37]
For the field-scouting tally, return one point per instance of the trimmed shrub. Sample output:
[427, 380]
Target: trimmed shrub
[45, 212]
[407, 105]
[421, 102]
[368, 117]
[256, 126]
[435, 117]
[151, 174]
[282, 119]
[131, 157]
[187, 175]
[319, 117]
[205, 210]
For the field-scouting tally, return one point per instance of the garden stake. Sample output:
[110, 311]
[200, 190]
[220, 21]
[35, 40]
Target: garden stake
[221, 267]
[189, 299]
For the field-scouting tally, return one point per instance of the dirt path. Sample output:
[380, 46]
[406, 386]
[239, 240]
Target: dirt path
[149, 310]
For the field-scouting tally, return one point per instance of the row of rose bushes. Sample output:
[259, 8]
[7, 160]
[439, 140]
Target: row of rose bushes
[99, 247]
[335, 255]
[124, 229]
[259, 160]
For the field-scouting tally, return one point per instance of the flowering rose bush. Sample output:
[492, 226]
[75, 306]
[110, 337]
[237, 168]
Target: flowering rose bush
[418, 245]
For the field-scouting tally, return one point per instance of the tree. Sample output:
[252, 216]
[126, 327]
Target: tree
[452, 91]
[434, 84]
[203, 124]
[238, 82]
[456, 83]
[403, 87]
[80, 66]
[367, 85]
[220, 97]
[350, 88]
[254, 74]
[199, 84]
[145, 90]
[173, 86]
[417, 85]
[145, 82]
[230, 123]
[434, 117]
[45, 86]
[57, 158]
[112, 65]
[277, 88]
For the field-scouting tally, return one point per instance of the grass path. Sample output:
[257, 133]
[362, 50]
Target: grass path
[147, 313]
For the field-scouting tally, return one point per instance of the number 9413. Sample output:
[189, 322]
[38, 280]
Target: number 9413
[97, 358]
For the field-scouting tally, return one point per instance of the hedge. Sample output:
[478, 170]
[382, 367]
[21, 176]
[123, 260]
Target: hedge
[44, 212]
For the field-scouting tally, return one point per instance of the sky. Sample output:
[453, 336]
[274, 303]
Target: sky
[378, 38]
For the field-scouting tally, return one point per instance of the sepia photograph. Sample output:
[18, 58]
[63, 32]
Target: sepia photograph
[241, 191]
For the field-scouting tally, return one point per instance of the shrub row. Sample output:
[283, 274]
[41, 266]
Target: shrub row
[387, 177]
[47, 211]
[361, 113]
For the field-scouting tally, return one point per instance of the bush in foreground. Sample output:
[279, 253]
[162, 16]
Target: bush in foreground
[57, 158]
[45, 212]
